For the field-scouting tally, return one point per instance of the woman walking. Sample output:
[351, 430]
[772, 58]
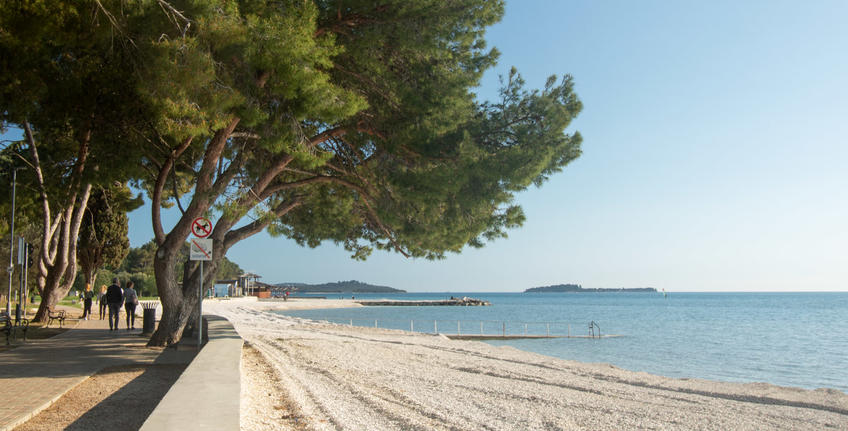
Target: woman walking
[130, 301]
[101, 299]
[87, 296]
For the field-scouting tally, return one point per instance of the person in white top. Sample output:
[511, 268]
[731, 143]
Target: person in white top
[130, 301]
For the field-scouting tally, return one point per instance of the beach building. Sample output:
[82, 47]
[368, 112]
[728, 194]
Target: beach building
[261, 290]
[248, 283]
[224, 288]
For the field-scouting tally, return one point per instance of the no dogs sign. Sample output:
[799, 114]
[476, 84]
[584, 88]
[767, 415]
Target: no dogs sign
[201, 227]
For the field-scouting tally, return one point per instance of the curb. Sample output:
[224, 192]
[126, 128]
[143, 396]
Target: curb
[208, 393]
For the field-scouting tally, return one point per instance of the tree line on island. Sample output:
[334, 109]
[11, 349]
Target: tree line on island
[354, 122]
[351, 286]
[576, 288]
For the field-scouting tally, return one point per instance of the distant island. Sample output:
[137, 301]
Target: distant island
[351, 286]
[576, 288]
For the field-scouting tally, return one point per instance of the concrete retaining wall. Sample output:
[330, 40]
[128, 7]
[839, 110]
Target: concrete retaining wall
[207, 395]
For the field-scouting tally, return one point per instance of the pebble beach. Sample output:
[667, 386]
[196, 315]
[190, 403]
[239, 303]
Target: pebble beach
[321, 376]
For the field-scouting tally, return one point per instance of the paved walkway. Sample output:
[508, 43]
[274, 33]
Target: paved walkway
[34, 375]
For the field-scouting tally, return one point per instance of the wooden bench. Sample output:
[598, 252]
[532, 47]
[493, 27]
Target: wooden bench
[55, 315]
[11, 329]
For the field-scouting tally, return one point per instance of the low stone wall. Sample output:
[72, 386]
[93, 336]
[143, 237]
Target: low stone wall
[207, 395]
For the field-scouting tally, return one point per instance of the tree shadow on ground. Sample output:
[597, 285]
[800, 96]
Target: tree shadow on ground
[129, 406]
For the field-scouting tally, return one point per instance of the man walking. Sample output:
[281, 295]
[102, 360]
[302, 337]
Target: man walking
[115, 299]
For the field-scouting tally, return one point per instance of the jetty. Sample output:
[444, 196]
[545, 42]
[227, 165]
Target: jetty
[479, 337]
[446, 302]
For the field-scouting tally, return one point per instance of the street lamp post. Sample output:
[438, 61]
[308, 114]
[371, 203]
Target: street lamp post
[11, 267]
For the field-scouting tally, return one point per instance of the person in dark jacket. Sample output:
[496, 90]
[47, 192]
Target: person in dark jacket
[87, 296]
[114, 299]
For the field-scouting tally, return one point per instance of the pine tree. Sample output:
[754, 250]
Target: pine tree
[103, 237]
[66, 80]
[349, 121]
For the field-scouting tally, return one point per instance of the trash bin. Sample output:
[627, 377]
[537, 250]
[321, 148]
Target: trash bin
[149, 316]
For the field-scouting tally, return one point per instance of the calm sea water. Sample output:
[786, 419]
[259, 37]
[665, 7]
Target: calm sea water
[789, 339]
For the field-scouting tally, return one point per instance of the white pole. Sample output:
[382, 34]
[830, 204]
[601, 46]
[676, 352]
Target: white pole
[200, 308]
[435, 327]
[481, 327]
[411, 326]
[457, 327]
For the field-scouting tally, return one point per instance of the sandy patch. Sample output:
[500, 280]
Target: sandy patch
[264, 403]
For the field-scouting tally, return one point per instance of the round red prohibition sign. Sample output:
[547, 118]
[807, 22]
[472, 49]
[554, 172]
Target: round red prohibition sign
[201, 227]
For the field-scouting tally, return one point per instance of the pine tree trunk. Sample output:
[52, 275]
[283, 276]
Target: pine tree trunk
[56, 278]
[90, 277]
[179, 304]
[49, 299]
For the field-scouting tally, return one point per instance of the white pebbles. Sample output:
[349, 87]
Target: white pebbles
[354, 378]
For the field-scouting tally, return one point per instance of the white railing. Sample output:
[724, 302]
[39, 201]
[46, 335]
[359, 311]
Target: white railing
[477, 327]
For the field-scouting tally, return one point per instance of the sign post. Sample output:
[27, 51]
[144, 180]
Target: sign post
[11, 267]
[201, 250]
[19, 307]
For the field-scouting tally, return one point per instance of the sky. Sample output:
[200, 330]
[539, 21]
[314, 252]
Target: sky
[714, 157]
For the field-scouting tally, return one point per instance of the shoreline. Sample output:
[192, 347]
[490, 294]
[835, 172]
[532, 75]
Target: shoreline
[342, 377]
[333, 303]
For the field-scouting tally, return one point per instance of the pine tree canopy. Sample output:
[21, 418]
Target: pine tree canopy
[349, 121]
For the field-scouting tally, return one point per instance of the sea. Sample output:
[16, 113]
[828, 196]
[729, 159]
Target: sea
[787, 339]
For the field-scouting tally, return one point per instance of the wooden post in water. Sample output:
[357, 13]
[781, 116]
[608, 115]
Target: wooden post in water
[375, 323]
[411, 326]
[548, 326]
[351, 322]
[504, 328]
[481, 327]
[457, 327]
[435, 327]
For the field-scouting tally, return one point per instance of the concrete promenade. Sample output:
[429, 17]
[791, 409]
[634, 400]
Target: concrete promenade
[37, 373]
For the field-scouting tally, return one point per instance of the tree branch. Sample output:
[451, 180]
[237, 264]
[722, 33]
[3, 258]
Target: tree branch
[256, 226]
[347, 184]
[177, 193]
[161, 179]
[49, 227]
[326, 135]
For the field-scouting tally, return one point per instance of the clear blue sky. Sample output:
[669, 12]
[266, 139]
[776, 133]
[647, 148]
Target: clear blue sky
[714, 156]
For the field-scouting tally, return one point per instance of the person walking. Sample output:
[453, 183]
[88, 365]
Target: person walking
[115, 299]
[130, 301]
[101, 299]
[87, 296]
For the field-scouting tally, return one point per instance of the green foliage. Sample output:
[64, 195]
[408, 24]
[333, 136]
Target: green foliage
[139, 262]
[144, 282]
[421, 167]
[351, 286]
[364, 113]
[63, 70]
[103, 235]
